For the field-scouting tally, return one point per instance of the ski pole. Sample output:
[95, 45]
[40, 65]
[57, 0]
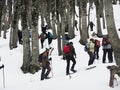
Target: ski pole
[51, 51]
[3, 78]
[51, 69]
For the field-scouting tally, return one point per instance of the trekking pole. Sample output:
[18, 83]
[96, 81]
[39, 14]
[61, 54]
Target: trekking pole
[3, 78]
[51, 51]
[51, 69]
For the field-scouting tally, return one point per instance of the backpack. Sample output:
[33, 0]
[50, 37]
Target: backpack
[42, 36]
[105, 41]
[50, 35]
[66, 49]
[98, 43]
[40, 57]
[87, 46]
[66, 37]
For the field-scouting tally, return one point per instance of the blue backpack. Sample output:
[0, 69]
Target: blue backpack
[87, 46]
[50, 35]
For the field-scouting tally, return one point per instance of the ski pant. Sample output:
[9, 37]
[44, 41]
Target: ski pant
[91, 27]
[45, 73]
[96, 52]
[42, 41]
[76, 27]
[20, 40]
[110, 57]
[91, 58]
[68, 59]
[49, 41]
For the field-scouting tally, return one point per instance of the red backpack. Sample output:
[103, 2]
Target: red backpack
[105, 41]
[66, 49]
[98, 43]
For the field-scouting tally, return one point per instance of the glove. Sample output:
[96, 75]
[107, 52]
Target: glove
[50, 58]
[2, 66]
[75, 55]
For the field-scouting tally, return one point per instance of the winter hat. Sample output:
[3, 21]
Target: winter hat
[92, 40]
[71, 42]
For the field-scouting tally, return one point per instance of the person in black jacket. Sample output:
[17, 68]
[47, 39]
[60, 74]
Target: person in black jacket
[20, 37]
[70, 57]
[43, 36]
[91, 24]
[50, 38]
[76, 25]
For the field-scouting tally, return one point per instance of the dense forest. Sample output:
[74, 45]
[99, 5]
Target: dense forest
[59, 15]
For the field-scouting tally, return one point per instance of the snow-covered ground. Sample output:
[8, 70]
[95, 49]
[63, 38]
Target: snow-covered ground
[93, 79]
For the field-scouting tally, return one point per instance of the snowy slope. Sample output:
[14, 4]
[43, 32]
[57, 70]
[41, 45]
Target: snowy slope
[93, 79]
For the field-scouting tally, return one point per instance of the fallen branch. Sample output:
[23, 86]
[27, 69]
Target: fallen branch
[113, 70]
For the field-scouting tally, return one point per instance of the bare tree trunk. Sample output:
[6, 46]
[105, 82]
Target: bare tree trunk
[102, 13]
[99, 32]
[35, 45]
[80, 16]
[90, 6]
[53, 25]
[29, 15]
[47, 14]
[63, 21]
[15, 23]
[44, 12]
[53, 18]
[84, 30]
[59, 33]
[1, 10]
[4, 19]
[9, 6]
[26, 45]
[114, 39]
[68, 18]
[71, 19]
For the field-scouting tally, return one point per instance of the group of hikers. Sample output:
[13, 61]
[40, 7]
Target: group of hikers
[92, 48]
[45, 34]
[69, 54]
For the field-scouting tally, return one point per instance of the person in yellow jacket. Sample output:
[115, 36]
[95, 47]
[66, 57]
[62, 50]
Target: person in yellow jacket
[91, 52]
